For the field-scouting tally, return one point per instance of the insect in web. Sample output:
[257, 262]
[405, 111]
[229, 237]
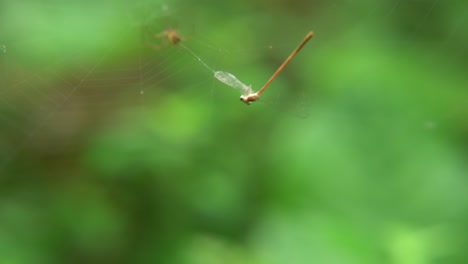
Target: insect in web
[247, 94]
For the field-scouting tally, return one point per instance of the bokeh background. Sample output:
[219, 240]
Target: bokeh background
[117, 147]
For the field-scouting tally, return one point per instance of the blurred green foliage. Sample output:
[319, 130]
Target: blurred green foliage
[118, 148]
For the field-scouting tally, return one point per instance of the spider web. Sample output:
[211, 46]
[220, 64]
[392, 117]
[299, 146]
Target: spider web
[89, 95]
[47, 104]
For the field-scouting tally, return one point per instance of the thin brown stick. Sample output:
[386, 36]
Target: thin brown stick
[307, 37]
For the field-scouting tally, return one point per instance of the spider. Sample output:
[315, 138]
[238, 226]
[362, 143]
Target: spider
[168, 36]
[171, 35]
